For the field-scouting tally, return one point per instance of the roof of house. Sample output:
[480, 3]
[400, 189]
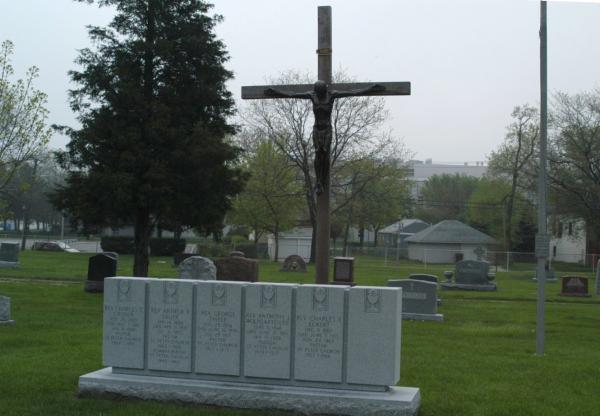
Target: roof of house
[451, 231]
[406, 226]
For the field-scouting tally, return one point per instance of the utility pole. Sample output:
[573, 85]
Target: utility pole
[542, 241]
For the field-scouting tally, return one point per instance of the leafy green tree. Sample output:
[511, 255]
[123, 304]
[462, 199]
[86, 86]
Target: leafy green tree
[153, 109]
[515, 161]
[487, 211]
[381, 190]
[444, 197]
[23, 115]
[272, 199]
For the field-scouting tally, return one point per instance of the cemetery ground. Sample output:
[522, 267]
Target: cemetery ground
[479, 361]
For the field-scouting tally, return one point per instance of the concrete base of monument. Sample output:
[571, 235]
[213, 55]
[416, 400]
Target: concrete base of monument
[9, 264]
[422, 316]
[11, 322]
[490, 287]
[547, 280]
[398, 401]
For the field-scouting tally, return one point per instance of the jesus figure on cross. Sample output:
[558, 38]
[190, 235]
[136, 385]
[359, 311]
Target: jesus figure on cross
[322, 100]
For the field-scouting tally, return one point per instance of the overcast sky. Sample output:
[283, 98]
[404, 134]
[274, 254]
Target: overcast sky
[469, 62]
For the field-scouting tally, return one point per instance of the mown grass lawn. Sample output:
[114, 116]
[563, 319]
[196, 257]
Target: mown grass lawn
[479, 361]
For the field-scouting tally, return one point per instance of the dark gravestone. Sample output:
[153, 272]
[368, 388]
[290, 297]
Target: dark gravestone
[237, 269]
[419, 299]
[112, 254]
[472, 272]
[9, 255]
[294, 263]
[343, 271]
[100, 266]
[471, 275]
[424, 277]
[574, 286]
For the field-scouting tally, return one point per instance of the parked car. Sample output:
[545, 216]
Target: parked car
[53, 246]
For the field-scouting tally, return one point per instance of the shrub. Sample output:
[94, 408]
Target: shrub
[121, 245]
[166, 246]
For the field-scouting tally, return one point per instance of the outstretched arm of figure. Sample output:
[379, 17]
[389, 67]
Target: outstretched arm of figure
[272, 92]
[353, 93]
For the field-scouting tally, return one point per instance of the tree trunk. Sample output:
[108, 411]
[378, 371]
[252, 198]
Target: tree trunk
[276, 233]
[375, 233]
[159, 232]
[142, 232]
[361, 235]
[347, 231]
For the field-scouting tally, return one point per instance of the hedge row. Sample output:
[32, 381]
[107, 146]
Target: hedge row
[158, 246]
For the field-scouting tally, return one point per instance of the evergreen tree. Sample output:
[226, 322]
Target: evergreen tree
[153, 109]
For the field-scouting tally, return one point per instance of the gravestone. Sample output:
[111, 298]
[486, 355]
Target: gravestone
[237, 254]
[598, 278]
[294, 263]
[237, 269]
[112, 254]
[9, 255]
[197, 267]
[424, 277]
[5, 311]
[471, 275]
[419, 299]
[218, 328]
[315, 349]
[100, 266]
[169, 338]
[343, 271]
[574, 286]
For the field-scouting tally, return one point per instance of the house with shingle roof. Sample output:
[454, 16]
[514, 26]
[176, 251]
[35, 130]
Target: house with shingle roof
[448, 241]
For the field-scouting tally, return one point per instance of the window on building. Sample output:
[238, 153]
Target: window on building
[560, 229]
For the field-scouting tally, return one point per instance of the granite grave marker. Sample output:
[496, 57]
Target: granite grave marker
[471, 275]
[574, 286]
[9, 255]
[343, 270]
[294, 263]
[197, 267]
[100, 266]
[419, 299]
[239, 269]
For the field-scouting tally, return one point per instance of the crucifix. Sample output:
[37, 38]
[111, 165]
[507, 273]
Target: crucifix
[322, 94]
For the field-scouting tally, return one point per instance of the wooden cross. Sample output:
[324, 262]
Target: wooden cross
[322, 94]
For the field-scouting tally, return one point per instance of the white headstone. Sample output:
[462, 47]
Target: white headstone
[124, 321]
[218, 327]
[170, 325]
[319, 335]
[374, 335]
[5, 310]
[267, 331]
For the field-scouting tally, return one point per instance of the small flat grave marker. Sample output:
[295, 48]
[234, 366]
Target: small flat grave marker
[5, 311]
[9, 255]
[574, 286]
